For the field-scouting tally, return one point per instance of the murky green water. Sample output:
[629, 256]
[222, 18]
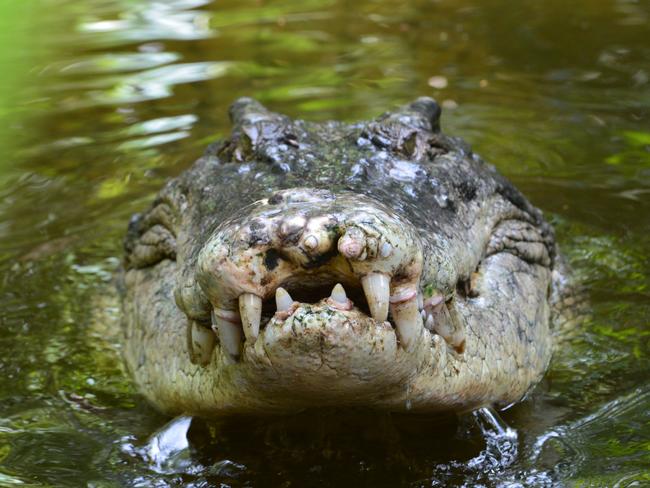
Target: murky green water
[101, 101]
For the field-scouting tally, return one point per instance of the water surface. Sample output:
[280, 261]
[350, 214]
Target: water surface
[101, 101]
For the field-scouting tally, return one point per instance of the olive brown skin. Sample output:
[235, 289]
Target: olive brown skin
[378, 264]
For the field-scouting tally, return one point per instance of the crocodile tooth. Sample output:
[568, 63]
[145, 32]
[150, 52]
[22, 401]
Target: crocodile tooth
[449, 326]
[250, 309]
[338, 299]
[338, 294]
[202, 343]
[283, 300]
[458, 339]
[408, 322]
[428, 323]
[376, 286]
[229, 330]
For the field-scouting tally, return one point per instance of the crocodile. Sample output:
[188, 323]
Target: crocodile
[378, 264]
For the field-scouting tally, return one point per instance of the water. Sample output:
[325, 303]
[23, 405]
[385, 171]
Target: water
[101, 101]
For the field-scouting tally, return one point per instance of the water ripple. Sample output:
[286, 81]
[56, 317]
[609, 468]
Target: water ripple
[150, 20]
[144, 85]
[110, 63]
[618, 419]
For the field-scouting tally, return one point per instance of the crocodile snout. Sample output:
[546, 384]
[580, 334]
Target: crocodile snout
[310, 244]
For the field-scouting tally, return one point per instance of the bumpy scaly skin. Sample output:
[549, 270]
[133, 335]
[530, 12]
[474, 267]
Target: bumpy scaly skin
[472, 268]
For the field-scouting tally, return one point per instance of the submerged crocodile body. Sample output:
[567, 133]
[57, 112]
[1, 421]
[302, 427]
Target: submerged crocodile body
[379, 264]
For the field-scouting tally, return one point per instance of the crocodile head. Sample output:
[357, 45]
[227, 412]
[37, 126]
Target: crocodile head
[378, 264]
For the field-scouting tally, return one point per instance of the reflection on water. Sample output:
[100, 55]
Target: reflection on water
[142, 86]
[577, 442]
[101, 101]
[125, 22]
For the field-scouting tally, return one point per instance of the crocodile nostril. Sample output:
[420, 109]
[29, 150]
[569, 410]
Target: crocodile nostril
[271, 259]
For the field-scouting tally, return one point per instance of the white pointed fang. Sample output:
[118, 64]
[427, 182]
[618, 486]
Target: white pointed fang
[376, 286]
[338, 293]
[250, 309]
[449, 327]
[283, 300]
[229, 332]
[338, 299]
[428, 323]
[408, 322]
[203, 342]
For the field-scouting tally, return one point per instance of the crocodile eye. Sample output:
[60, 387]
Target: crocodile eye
[151, 237]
